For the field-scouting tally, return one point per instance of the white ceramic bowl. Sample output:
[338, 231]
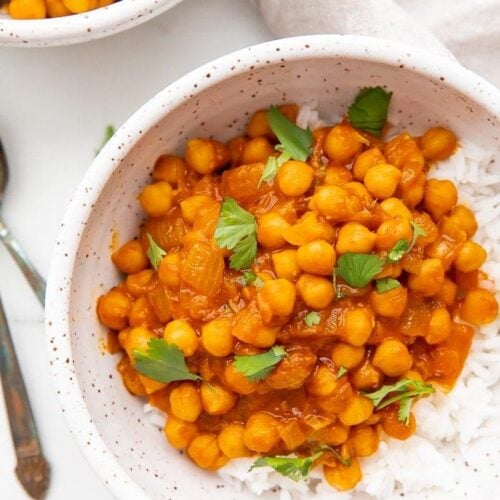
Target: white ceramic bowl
[77, 28]
[130, 455]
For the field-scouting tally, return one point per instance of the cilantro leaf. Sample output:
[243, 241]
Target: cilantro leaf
[417, 232]
[405, 390]
[404, 411]
[341, 371]
[358, 269]
[385, 284]
[295, 141]
[293, 468]
[154, 252]
[163, 362]
[272, 166]
[397, 252]
[109, 132]
[236, 230]
[259, 366]
[312, 319]
[369, 110]
[250, 278]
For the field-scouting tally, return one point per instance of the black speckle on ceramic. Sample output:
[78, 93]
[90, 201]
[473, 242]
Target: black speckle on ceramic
[215, 100]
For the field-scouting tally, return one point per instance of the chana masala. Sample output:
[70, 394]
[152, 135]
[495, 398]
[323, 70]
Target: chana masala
[40, 9]
[293, 292]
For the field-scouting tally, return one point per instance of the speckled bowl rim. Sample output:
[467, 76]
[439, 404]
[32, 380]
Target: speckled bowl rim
[83, 27]
[63, 260]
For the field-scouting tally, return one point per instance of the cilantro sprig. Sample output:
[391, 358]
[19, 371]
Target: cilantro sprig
[369, 110]
[249, 278]
[109, 132]
[402, 247]
[386, 284]
[312, 319]
[358, 269]
[342, 371]
[295, 143]
[291, 467]
[236, 230]
[154, 252]
[406, 390]
[259, 366]
[163, 362]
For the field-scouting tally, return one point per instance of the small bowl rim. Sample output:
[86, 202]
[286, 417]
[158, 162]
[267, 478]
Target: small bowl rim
[79, 28]
[455, 76]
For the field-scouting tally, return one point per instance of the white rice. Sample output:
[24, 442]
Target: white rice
[456, 450]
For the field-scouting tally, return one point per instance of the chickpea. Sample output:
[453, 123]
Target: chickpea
[205, 452]
[216, 399]
[286, 265]
[354, 237]
[292, 434]
[142, 314]
[394, 207]
[470, 257]
[464, 219]
[256, 150]
[178, 432]
[269, 230]
[343, 477]
[205, 156]
[334, 434]
[358, 189]
[395, 428]
[358, 325]
[113, 308]
[217, 338]
[338, 175]
[479, 307]
[440, 197]
[413, 193]
[358, 410]
[231, 441]
[261, 432]
[430, 278]
[382, 180]
[79, 6]
[295, 178]
[130, 258]
[315, 291]
[448, 293]
[367, 377]
[392, 358]
[323, 381]
[56, 8]
[140, 283]
[366, 160]
[364, 441]
[191, 205]
[169, 270]
[347, 355]
[156, 199]
[393, 230]
[439, 328]
[316, 257]
[276, 298]
[342, 143]
[438, 143]
[335, 202]
[389, 304]
[309, 228]
[137, 338]
[168, 168]
[180, 333]
[185, 402]
[237, 381]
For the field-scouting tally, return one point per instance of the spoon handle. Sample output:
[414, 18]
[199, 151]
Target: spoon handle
[32, 469]
[36, 282]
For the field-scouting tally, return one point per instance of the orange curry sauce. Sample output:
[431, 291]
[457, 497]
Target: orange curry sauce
[414, 331]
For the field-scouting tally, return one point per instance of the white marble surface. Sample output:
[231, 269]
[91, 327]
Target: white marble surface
[54, 105]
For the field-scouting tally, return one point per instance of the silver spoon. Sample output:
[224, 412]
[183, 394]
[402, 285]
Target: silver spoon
[32, 469]
[36, 282]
